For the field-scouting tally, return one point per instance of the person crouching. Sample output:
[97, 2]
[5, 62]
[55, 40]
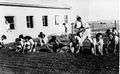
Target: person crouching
[98, 44]
[113, 43]
[18, 45]
[29, 44]
[54, 44]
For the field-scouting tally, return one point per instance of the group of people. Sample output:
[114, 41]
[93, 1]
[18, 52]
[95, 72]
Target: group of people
[28, 44]
[24, 44]
[82, 32]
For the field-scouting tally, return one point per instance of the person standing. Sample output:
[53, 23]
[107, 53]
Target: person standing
[65, 28]
[84, 28]
[78, 24]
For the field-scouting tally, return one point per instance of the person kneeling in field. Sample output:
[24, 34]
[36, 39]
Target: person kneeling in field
[29, 44]
[41, 37]
[113, 43]
[77, 45]
[73, 43]
[98, 44]
[54, 45]
[3, 38]
[18, 45]
[115, 32]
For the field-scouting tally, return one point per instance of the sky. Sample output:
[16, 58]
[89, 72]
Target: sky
[92, 10]
[103, 9]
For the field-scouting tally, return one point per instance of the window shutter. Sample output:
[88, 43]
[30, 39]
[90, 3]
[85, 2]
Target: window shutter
[31, 22]
[27, 18]
[45, 20]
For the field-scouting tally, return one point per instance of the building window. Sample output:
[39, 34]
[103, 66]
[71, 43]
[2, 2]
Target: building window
[66, 18]
[56, 19]
[29, 21]
[45, 20]
[10, 20]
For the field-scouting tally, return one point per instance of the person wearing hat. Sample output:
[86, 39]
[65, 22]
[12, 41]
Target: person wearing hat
[41, 37]
[18, 45]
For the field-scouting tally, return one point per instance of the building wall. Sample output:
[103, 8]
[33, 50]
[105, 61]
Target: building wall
[20, 14]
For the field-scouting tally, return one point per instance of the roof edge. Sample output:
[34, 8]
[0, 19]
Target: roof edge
[31, 5]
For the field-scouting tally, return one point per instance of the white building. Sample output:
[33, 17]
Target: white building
[29, 17]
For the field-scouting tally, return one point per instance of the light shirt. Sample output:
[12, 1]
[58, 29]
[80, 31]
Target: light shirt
[41, 41]
[78, 24]
[115, 32]
[22, 42]
[31, 41]
[3, 41]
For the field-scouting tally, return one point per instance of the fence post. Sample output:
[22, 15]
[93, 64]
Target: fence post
[72, 27]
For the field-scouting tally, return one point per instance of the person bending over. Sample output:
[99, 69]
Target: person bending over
[29, 44]
[54, 44]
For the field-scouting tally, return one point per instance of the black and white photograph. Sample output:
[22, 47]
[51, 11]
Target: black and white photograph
[59, 36]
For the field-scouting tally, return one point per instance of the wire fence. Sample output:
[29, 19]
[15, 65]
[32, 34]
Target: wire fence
[101, 27]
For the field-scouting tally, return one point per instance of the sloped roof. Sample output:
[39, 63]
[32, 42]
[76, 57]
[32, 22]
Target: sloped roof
[54, 4]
